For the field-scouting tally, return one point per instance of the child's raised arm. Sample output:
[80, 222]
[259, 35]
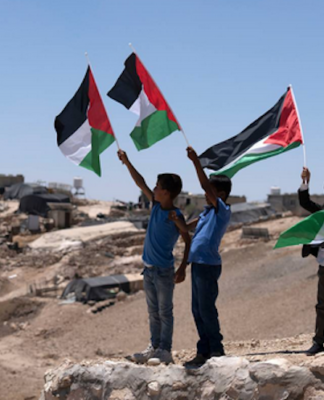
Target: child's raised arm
[137, 177]
[203, 179]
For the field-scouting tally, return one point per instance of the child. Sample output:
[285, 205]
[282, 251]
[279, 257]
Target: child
[206, 261]
[318, 252]
[159, 277]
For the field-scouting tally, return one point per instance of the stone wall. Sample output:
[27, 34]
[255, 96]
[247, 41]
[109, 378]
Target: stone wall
[225, 378]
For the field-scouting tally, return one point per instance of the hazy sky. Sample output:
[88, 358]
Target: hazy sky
[219, 63]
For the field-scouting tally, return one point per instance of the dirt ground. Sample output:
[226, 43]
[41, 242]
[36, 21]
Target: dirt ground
[265, 296]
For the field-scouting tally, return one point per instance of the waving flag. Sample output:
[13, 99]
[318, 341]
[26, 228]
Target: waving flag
[275, 132]
[83, 128]
[137, 91]
[308, 231]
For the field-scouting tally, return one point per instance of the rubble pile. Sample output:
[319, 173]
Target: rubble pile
[11, 258]
[16, 314]
[119, 254]
[110, 255]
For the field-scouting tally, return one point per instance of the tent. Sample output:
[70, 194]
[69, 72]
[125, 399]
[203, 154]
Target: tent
[19, 190]
[36, 204]
[98, 288]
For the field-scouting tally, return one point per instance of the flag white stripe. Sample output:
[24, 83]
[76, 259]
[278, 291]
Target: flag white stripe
[317, 241]
[258, 148]
[142, 107]
[319, 238]
[78, 145]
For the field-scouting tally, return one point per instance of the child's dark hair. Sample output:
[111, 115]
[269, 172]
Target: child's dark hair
[170, 182]
[222, 183]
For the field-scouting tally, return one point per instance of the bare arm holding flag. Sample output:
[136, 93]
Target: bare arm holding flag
[209, 189]
[137, 177]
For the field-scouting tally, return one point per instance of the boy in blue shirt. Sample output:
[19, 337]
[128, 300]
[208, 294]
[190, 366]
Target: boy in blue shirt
[159, 276]
[206, 263]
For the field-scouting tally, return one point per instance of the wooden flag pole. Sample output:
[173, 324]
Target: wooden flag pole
[181, 130]
[301, 128]
[88, 61]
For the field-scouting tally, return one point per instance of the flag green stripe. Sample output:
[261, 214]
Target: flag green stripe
[249, 159]
[99, 142]
[304, 232]
[153, 128]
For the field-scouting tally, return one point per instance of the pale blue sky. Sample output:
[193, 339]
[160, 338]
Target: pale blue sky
[220, 65]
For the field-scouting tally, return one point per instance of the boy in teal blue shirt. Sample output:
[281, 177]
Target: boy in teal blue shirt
[206, 261]
[159, 275]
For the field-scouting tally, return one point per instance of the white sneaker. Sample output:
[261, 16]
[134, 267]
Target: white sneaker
[163, 355]
[144, 356]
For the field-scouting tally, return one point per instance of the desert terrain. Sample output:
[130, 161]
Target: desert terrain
[266, 302]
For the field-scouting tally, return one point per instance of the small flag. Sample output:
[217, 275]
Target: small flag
[83, 128]
[275, 132]
[308, 231]
[137, 91]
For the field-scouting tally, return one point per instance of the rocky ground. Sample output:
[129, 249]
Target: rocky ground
[260, 375]
[265, 295]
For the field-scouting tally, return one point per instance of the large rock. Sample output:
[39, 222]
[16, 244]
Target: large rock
[224, 378]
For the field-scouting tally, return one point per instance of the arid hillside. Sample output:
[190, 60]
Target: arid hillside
[265, 295]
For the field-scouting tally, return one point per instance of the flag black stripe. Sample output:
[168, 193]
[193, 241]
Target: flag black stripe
[221, 154]
[75, 112]
[128, 86]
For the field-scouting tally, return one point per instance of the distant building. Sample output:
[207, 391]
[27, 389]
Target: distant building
[289, 202]
[143, 201]
[187, 200]
[8, 180]
[57, 187]
[242, 212]
[60, 186]
[247, 213]
[236, 199]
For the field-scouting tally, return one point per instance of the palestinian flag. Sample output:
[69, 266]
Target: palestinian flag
[308, 231]
[83, 128]
[137, 91]
[275, 132]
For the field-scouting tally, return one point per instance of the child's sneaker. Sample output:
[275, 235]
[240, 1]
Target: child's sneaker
[141, 358]
[219, 353]
[164, 356]
[196, 362]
